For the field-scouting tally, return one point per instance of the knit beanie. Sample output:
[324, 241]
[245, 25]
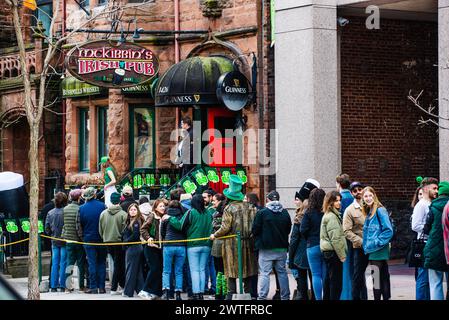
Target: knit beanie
[115, 198]
[443, 188]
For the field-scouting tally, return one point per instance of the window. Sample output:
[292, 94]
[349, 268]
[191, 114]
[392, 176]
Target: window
[103, 146]
[44, 13]
[142, 148]
[84, 3]
[84, 129]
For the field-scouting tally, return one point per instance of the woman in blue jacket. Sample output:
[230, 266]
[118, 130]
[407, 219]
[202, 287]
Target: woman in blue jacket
[377, 234]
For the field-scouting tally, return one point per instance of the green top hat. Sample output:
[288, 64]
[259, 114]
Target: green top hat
[234, 192]
[104, 159]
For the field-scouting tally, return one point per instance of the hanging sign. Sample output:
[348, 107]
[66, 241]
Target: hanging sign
[189, 186]
[200, 177]
[225, 175]
[233, 90]
[112, 64]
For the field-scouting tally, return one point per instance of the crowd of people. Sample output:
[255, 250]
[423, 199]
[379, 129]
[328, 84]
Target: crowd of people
[186, 243]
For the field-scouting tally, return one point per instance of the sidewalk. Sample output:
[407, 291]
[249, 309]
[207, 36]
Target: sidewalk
[402, 287]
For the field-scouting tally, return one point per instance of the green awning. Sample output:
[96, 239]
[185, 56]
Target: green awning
[72, 88]
[146, 88]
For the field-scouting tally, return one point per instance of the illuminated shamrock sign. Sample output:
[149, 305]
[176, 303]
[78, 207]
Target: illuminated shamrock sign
[25, 224]
[40, 226]
[151, 180]
[200, 177]
[11, 226]
[225, 174]
[137, 181]
[164, 180]
[189, 186]
[242, 174]
[212, 175]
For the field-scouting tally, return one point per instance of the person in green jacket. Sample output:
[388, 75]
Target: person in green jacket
[434, 257]
[197, 223]
[333, 245]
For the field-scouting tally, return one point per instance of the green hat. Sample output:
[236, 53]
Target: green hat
[443, 188]
[115, 198]
[104, 159]
[89, 193]
[234, 192]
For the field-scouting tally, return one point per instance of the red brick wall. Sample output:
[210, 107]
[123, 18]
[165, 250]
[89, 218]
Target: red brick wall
[382, 145]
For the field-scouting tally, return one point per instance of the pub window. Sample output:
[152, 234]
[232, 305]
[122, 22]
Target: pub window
[44, 13]
[83, 130]
[103, 146]
[142, 148]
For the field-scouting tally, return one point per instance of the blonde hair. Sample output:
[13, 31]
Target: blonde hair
[300, 211]
[376, 203]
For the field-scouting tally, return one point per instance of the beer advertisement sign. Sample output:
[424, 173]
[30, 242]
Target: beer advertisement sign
[112, 64]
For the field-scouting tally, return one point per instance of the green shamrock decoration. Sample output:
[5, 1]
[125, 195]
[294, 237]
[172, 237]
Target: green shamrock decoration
[165, 180]
[189, 186]
[11, 227]
[40, 226]
[225, 174]
[25, 226]
[201, 178]
[212, 176]
[137, 181]
[242, 175]
[151, 179]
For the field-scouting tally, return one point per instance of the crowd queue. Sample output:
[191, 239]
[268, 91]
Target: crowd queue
[179, 244]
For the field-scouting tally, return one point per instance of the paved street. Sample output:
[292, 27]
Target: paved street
[402, 287]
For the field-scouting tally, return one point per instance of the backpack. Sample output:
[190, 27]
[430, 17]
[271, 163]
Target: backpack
[393, 226]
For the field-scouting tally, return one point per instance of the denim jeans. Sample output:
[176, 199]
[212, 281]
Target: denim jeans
[96, 259]
[198, 257]
[267, 260]
[436, 284]
[348, 272]
[187, 279]
[76, 254]
[422, 284]
[178, 255]
[210, 273]
[318, 268]
[58, 266]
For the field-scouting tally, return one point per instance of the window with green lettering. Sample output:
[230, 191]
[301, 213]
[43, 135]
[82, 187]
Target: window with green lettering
[83, 131]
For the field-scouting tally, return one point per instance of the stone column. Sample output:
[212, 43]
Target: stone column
[443, 84]
[307, 104]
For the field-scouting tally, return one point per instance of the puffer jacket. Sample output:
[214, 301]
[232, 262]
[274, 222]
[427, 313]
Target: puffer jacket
[434, 257]
[375, 235]
[332, 237]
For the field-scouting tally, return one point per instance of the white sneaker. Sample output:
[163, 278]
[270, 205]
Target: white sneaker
[154, 297]
[116, 293]
[144, 294]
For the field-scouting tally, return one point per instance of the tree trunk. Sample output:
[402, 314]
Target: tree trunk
[33, 266]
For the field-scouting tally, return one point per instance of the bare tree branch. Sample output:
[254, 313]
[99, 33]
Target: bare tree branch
[429, 111]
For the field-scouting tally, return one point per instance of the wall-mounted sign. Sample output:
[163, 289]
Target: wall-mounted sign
[112, 64]
[233, 90]
[72, 88]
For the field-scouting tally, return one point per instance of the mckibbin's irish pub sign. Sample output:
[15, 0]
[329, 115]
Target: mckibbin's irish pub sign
[112, 64]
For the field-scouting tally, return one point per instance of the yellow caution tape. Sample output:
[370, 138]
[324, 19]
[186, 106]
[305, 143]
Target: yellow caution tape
[13, 243]
[131, 243]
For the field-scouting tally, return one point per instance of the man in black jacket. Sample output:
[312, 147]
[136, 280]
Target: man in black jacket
[271, 228]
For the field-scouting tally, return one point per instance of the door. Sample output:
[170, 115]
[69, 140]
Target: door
[222, 149]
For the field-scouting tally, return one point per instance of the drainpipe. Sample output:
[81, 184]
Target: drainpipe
[177, 59]
[64, 106]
